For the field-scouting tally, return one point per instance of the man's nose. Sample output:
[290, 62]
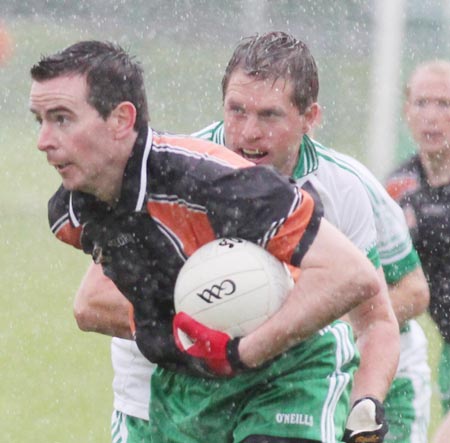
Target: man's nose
[252, 129]
[433, 110]
[45, 138]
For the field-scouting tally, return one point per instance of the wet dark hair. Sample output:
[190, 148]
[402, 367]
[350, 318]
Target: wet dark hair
[112, 75]
[277, 55]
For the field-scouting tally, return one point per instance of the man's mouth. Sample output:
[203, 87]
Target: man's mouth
[252, 154]
[432, 135]
[61, 166]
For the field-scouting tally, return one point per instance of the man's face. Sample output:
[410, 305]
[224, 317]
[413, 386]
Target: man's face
[76, 139]
[427, 111]
[262, 123]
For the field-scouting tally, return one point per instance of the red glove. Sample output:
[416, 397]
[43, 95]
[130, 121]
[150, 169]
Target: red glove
[217, 349]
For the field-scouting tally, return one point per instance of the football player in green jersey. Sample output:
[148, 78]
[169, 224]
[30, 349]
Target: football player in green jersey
[270, 92]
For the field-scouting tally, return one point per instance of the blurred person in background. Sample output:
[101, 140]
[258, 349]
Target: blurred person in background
[6, 44]
[261, 86]
[116, 203]
[422, 187]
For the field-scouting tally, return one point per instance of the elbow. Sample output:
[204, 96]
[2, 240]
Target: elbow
[370, 285]
[421, 296]
[416, 287]
[373, 286]
[82, 317]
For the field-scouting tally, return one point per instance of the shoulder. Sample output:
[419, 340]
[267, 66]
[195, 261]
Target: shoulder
[405, 179]
[190, 147]
[344, 197]
[332, 159]
[59, 218]
[344, 163]
[376, 192]
[213, 132]
[58, 207]
[338, 171]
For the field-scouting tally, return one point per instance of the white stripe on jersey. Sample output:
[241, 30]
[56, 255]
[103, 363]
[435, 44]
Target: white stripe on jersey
[167, 232]
[176, 199]
[275, 226]
[172, 237]
[119, 431]
[214, 132]
[60, 223]
[143, 184]
[339, 380]
[73, 217]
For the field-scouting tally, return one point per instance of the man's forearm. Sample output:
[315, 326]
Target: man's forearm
[104, 316]
[332, 282]
[410, 296]
[100, 307]
[378, 349]
[378, 340]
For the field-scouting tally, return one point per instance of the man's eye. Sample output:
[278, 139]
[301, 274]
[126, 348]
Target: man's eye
[444, 104]
[61, 119]
[237, 110]
[421, 102]
[269, 114]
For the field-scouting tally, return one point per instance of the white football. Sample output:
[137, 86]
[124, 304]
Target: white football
[232, 285]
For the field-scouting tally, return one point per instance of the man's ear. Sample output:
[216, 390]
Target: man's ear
[123, 118]
[312, 117]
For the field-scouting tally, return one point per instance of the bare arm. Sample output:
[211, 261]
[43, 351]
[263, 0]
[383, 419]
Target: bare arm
[410, 296]
[443, 431]
[377, 337]
[100, 307]
[335, 278]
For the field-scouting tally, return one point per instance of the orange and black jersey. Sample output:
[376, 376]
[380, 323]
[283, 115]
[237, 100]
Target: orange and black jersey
[427, 209]
[179, 193]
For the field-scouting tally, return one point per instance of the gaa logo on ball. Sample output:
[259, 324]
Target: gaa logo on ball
[216, 292]
[231, 285]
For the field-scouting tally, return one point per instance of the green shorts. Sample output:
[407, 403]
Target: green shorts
[302, 394]
[126, 429]
[444, 377]
[407, 404]
[404, 413]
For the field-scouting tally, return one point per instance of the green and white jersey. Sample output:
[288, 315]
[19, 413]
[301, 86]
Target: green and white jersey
[397, 254]
[214, 133]
[333, 170]
[344, 198]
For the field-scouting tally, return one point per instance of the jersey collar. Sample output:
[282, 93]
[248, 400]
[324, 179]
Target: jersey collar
[308, 160]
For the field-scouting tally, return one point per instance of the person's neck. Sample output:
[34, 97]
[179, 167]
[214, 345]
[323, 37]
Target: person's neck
[111, 195]
[113, 176]
[437, 168]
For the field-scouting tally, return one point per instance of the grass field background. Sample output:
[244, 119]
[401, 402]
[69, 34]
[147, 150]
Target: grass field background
[55, 380]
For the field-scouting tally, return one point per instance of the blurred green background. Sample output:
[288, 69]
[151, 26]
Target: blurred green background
[55, 380]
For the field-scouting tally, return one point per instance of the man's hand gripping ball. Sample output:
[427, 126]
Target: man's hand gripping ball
[217, 349]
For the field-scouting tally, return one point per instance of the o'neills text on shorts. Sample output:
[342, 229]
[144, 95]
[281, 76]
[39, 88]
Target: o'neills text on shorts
[294, 419]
